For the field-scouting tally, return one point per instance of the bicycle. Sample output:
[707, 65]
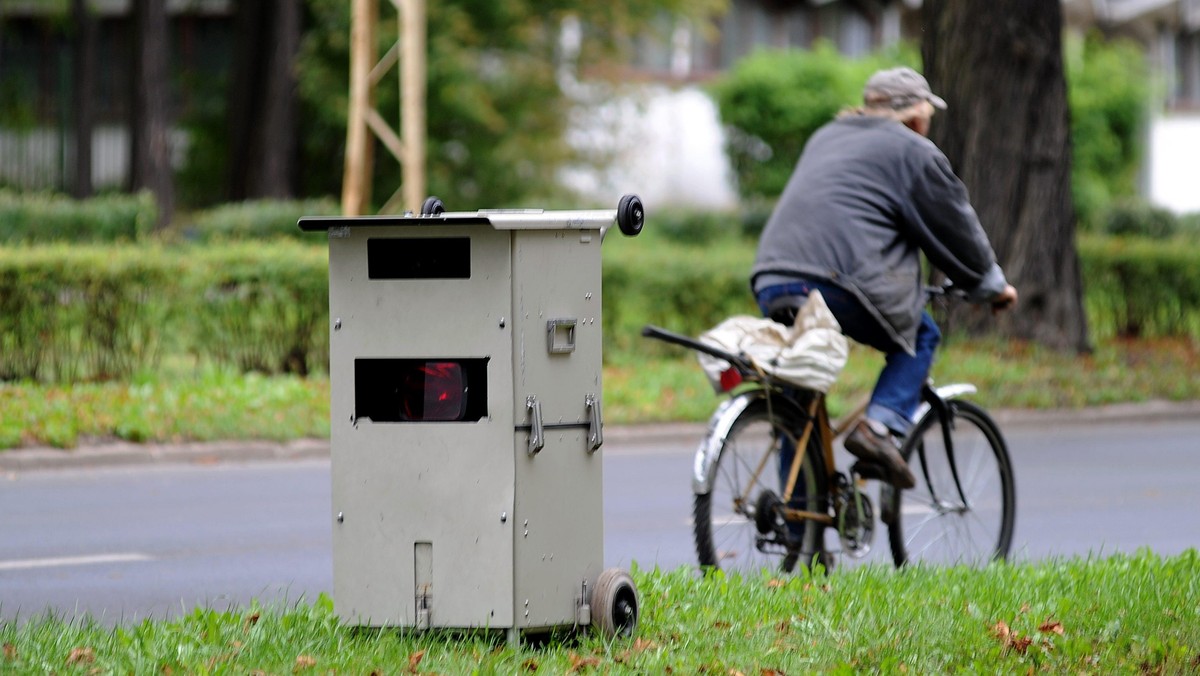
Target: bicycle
[746, 514]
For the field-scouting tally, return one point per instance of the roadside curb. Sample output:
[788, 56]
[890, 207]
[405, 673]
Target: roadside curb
[125, 454]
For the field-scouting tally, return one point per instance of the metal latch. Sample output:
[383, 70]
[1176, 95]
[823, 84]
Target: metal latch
[595, 423]
[537, 433]
[583, 609]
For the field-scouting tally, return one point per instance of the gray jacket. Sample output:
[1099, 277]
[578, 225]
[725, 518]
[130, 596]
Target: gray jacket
[866, 197]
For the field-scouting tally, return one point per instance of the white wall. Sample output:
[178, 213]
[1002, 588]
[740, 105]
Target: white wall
[1174, 163]
[662, 143]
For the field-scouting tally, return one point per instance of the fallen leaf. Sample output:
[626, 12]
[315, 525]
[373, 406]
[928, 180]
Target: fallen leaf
[251, 620]
[530, 664]
[721, 624]
[1020, 643]
[771, 672]
[1049, 627]
[10, 651]
[775, 583]
[81, 656]
[642, 645]
[304, 662]
[415, 659]
[1001, 631]
[579, 663]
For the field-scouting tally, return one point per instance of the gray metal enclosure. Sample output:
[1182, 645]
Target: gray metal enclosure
[465, 364]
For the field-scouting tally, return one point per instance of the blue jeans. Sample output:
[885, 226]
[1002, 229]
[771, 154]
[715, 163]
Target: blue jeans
[898, 390]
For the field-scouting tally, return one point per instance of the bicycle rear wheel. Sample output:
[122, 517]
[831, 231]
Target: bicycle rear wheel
[963, 508]
[729, 520]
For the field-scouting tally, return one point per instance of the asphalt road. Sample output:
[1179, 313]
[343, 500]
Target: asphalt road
[129, 542]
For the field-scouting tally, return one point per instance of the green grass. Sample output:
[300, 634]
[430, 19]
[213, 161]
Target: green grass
[176, 405]
[183, 402]
[1132, 614]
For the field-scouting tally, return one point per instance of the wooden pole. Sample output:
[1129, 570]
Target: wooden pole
[412, 102]
[356, 179]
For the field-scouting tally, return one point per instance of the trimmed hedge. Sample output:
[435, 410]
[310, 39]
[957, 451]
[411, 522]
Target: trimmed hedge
[259, 308]
[255, 220]
[47, 217]
[84, 312]
[107, 312]
[1140, 287]
[96, 313]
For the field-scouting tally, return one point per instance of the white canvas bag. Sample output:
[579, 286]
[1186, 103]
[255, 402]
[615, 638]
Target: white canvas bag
[809, 354]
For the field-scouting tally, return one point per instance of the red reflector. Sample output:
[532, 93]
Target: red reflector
[730, 378]
[437, 392]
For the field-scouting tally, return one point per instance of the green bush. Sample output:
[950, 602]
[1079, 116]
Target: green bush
[1108, 90]
[258, 219]
[1140, 287]
[260, 308]
[686, 288]
[772, 101]
[80, 313]
[1136, 218]
[109, 312]
[48, 217]
[70, 314]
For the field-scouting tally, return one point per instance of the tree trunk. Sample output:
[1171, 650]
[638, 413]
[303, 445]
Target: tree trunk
[262, 100]
[999, 65]
[150, 127]
[84, 85]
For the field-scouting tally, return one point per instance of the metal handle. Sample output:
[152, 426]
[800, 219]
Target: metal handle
[596, 423]
[537, 435]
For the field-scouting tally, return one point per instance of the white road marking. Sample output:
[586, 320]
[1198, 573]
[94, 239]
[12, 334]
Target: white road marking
[89, 560]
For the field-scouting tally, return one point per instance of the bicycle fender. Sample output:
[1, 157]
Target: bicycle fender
[719, 426]
[945, 393]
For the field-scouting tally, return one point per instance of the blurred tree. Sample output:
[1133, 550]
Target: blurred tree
[262, 103]
[84, 54]
[497, 113]
[150, 123]
[999, 64]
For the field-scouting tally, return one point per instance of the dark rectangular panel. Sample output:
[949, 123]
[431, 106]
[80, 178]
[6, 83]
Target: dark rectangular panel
[419, 258]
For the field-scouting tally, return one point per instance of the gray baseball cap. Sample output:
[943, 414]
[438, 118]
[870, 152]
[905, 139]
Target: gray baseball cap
[899, 88]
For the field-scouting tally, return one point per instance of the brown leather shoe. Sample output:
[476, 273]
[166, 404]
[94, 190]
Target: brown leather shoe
[870, 446]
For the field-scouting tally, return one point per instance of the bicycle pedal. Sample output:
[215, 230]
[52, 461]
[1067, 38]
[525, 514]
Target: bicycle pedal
[868, 470]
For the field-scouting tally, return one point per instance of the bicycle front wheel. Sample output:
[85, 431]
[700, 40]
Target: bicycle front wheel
[737, 524]
[963, 508]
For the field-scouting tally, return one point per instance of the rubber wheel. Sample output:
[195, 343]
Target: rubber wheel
[432, 207]
[631, 216]
[615, 603]
[935, 522]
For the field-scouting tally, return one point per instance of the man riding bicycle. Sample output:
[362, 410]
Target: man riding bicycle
[868, 195]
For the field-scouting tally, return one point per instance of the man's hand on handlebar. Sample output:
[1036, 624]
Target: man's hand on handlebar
[1005, 300]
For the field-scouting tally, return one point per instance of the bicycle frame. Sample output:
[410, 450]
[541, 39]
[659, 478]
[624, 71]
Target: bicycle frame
[722, 420]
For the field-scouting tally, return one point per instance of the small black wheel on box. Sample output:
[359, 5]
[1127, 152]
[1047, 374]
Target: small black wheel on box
[631, 216]
[615, 603]
[432, 207]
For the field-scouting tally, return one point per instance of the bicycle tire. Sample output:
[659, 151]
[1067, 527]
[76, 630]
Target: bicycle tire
[726, 535]
[931, 523]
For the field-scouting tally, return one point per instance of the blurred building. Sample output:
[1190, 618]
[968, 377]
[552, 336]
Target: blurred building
[37, 84]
